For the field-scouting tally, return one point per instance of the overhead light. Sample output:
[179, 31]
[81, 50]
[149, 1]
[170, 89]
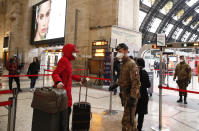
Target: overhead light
[196, 44]
[185, 45]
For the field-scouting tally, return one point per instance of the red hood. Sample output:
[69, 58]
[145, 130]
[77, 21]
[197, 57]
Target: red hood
[67, 50]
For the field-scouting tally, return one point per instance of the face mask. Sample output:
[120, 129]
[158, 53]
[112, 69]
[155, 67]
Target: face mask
[119, 56]
[74, 54]
[181, 60]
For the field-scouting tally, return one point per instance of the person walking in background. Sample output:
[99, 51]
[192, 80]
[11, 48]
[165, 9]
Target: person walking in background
[142, 105]
[183, 72]
[13, 68]
[33, 70]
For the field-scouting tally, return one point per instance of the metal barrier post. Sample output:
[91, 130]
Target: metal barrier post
[110, 106]
[9, 115]
[160, 127]
[160, 92]
[14, 107]
[43, 77]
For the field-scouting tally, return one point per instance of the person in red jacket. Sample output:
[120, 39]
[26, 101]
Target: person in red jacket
[62, 75]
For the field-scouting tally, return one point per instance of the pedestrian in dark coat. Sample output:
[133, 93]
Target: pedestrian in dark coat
[142, 105]
[33, 70]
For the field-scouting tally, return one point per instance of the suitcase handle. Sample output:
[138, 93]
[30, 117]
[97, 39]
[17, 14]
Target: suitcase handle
[47, 88]
[80, 94]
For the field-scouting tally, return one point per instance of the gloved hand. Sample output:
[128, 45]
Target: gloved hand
[189, 81]
[131, 102]
[112, 87]
[84, 81]
[60, 85]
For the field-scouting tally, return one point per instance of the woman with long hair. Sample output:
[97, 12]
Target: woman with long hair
[42, 20]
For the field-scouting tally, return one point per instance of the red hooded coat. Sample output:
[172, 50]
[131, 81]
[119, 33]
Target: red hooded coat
[63, 72]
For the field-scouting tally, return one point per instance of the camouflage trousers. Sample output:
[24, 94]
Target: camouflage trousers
[126, 124]
[182, 84]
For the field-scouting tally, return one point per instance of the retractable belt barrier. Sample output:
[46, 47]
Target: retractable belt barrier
[6, 91]
[180, 90]
[25, 75]
[5, 103]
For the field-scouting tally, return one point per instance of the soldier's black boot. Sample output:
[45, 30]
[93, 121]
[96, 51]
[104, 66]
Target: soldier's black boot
[185, 100]
[180, 100]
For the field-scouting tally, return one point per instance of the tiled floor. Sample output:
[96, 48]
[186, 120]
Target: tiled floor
[178, 117]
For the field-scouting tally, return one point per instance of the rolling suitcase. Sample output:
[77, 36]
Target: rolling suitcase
[49, 110]
[81, 114]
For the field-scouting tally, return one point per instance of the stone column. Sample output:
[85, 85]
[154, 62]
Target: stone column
[136, 8]
[14, 16]
[128, 14]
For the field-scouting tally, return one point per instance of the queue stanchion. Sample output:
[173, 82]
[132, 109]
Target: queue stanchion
[12, 111]
[161, 44]
[14, 107]
[9, 115]
[43, 77]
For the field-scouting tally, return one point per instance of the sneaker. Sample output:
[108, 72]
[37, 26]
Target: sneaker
[31, 90]
[19, 90]
[185, 102]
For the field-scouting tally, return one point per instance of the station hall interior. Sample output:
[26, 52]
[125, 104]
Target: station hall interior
[41, 28]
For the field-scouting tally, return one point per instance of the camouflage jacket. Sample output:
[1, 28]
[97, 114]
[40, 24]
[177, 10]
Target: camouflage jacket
[129, 80]
[183, 72]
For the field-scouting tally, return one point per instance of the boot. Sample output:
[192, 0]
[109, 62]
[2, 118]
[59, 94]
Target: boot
[185, 100]
[180, 100]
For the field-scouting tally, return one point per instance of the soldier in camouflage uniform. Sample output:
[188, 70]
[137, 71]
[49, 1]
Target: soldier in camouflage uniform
[183, 72]
[129, 82]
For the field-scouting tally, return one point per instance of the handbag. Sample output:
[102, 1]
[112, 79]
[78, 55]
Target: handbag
[51, 100]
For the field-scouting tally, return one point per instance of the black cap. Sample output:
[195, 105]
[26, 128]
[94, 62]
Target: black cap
[122, 46]
[181, 56]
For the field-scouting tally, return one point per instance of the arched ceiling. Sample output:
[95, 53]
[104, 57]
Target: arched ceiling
[178, 19]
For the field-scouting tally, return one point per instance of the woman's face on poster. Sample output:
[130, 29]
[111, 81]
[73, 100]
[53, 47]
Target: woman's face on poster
[43, 19]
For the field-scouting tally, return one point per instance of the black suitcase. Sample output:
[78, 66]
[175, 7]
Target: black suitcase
[44, 121]
[81, 114]
[49, 110]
